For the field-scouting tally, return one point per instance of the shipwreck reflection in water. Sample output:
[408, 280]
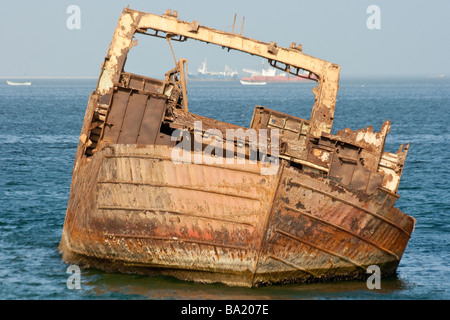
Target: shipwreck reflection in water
[110, 285]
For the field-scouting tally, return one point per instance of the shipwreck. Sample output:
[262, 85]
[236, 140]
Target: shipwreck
[311, 206]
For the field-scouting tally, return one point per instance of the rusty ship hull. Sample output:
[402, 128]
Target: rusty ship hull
[325, 212]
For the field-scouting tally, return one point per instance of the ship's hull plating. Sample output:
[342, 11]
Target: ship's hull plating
[144, 213]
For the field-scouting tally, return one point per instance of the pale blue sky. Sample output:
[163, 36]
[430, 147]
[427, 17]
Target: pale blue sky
[413, 39]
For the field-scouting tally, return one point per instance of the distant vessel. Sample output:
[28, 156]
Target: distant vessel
[26, 83]
[261, 83]
[268, 75]
[204, 75]
[438, 76]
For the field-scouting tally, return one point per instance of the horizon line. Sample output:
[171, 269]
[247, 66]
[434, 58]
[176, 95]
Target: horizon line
[428, 76]
[49, 77]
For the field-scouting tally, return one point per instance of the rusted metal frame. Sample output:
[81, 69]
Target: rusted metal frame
[142, 89]
[287, 69]
[152, 94]
[302, 212]
[291, 236]
[187, 214]
[300, 130]
[148, 93]
[174, 239]
[379, 157]
[333, 154]
[290, 158]
[177, 66]
[228, 40]
[162, 185]
[310, 145]
[293, 265]
[114, 61]
[325, 148]
[279, 114]
[292, 130]
[322, 114]
[107, 113]
[173, 37]
[395, 195]
[240, 146]
[305, 163]
[237, 147]
[268, 124]
[339, 139]
[348, 159]
[378, 161]
[186, 121]
[327, 73]
[141, 156]
[355, 206]
[125, 111]
[88, 125]
[183, 84]
[130, 91]
[301, 121]
[96, 124]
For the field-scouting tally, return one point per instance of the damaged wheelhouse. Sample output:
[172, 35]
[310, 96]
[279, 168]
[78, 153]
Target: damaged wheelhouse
[325, 212]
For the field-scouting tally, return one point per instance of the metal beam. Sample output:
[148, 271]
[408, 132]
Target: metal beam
[132, 21]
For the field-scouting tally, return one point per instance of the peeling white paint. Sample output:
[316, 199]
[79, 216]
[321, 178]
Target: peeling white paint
[369, 137]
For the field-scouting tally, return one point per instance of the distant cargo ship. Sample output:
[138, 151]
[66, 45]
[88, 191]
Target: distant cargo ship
[204, 75]
[268, 75]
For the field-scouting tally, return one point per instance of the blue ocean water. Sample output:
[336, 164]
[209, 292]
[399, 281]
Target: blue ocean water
[39, 131]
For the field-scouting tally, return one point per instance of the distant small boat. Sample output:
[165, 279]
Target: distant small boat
[26, 83]
[261, 83]
[438, 76]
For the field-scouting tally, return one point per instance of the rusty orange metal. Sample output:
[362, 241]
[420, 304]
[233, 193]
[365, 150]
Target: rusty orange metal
[326, 211]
